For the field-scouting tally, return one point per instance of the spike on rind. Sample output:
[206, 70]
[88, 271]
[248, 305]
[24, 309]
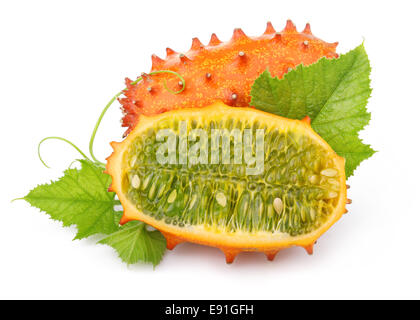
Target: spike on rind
[307, 29]
[333, 45]
[157, 63]
[230, 254]
[214, 40]
[242, 59]
[278, 37]
[124, 220]
[144, 76]
[238, 34]
[271, 254]
[114, 144]
[309, 249]
[170, 52]
[290, 27]
[171, 241]
[306, 120]
[196, 44]
[269, 29]
[184, 58]
[128, 82]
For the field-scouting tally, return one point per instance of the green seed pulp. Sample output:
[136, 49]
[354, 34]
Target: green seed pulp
[222, 196]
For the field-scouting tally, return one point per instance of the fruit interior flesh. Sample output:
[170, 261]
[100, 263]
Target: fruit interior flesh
[295, 194]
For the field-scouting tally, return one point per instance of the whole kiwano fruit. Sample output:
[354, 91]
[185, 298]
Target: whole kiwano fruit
[220, 71]
[299, 193]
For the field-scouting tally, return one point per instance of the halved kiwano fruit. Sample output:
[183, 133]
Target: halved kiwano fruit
[298, 195]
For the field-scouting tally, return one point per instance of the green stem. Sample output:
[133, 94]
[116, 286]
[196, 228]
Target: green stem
[98, 122]
[174, 73]
[62, 139]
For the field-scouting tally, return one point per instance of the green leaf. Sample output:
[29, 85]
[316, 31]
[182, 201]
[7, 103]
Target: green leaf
[79, 198]
[134, 243]
[332, 92]
[352, 149]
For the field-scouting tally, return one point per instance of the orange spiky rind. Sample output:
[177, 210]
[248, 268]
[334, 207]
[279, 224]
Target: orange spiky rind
[230, 244]
[230, 73]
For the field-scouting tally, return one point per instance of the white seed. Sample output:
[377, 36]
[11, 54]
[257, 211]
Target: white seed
[172, 196]
[303, 215]
[278, 205]
[332, 195]
[234, 96]
[241, 53]
[313, 179]
[180, 83]
[208, 75]
[133, 161]
[192, 203]
[135, 181]
[329, 172]
[334, 183]
[312, 212]
[145, 182]
[149, 89]
[289, 69]
[306, 42]
[221, 199]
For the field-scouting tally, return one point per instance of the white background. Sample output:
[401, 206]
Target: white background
[61, 61]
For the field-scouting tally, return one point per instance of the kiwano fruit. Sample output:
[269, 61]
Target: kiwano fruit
[220, 71]
[298, 195]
